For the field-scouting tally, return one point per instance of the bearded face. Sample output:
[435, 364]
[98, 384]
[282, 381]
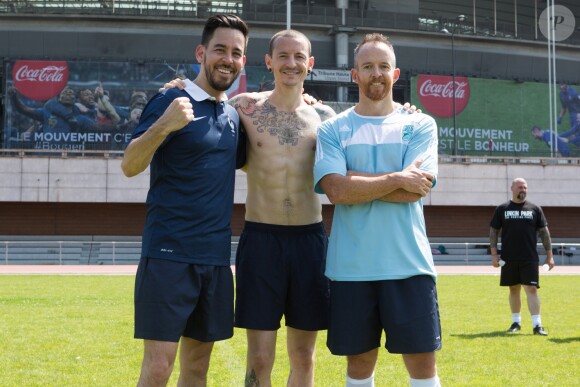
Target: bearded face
[223, 58]
[375, 72]
[375, 89]
[220, 77]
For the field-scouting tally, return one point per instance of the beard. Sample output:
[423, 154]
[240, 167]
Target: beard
[375, 95]
[215, 78]
[521, 196]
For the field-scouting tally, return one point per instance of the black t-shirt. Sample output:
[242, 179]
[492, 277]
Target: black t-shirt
[519, 224]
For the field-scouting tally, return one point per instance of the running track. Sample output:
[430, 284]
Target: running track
[131, 269]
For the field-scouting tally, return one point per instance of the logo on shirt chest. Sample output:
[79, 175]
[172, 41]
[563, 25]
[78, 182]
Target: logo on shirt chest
[407, 133]
[519, 215]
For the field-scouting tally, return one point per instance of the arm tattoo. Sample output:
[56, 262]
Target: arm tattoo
[235, 101]
[323, 113]
[493, 237]
[545, 237]
[251, 380]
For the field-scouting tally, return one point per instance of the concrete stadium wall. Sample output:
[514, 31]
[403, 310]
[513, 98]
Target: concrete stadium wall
[68, 37]
[85, 180]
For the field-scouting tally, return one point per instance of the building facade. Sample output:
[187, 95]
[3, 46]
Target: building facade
[498, 48]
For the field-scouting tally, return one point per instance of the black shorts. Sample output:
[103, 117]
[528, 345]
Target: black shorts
[280, 272]
[407, 310]
[520, 273]
[175, 299]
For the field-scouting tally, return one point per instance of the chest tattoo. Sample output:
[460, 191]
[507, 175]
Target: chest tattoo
[287, 126]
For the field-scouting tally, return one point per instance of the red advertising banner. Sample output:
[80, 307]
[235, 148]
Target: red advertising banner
[40, 80]
[436, 94]
[84, 106]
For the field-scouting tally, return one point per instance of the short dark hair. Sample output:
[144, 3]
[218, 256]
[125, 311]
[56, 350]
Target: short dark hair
[293, 34]
[224, 21]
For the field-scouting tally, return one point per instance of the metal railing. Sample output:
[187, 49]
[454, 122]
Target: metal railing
[60, 153]
[72, 252]
[274, 12]
[76, 252]
[540, 159]
[469, 253]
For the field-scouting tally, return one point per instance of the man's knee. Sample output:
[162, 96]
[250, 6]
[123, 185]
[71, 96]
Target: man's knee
[515, 289]
[531, 290]
[156, 370]
[260, 360]
[197, 369]
[421, 365]
[362, 366]
[195, 358]
[302, 357]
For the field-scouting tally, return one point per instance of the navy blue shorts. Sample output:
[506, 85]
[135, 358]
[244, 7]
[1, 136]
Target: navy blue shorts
[520, 272]
[407, 310]
[175, 299]
[280, 272]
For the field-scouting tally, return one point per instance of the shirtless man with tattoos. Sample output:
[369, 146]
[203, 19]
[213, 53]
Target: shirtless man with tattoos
[281, 255]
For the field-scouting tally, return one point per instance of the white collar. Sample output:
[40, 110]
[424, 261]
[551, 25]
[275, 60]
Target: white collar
[197, 93]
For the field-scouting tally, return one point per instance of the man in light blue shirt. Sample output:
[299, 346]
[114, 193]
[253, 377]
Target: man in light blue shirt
[375, 163]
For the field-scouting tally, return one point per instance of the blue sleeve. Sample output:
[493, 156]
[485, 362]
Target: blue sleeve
[562, 99]
[122, 112]
[54, 107]
[330, 156]
[80, 122]
[155, 109]
[424, 145]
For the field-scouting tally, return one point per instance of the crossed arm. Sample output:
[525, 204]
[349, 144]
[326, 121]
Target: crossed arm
[406, 186]
[399, 195]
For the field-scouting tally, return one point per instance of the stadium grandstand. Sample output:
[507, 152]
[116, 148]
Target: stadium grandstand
[488, 71]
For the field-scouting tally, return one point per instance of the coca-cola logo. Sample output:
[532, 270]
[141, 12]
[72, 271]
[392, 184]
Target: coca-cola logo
[40, 80]
[436, 94]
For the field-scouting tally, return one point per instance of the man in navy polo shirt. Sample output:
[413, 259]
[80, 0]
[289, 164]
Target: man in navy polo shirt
[184, 284]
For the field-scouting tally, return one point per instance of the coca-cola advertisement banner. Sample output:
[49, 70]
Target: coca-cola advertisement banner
[88, 106]
[495, 117]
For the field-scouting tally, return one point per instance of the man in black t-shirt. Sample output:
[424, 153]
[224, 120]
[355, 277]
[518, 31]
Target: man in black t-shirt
[520, 222]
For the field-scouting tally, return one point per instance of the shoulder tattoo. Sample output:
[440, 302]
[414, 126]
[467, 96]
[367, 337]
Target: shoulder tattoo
[323, 111]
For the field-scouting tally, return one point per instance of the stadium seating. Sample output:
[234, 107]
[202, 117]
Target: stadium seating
[126, 250]
[69, 250]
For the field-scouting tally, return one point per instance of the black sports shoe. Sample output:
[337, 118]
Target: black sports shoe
[516, 327]
[539, 330]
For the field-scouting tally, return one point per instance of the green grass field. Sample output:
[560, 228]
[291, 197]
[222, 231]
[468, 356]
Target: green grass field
[77, 331]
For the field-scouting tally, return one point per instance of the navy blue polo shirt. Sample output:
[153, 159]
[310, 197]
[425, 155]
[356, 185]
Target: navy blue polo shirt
[191, 194]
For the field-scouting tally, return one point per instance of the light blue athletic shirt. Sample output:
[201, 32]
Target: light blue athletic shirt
[377, 240]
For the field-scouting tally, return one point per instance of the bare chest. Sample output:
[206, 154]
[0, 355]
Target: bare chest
[268, 127]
